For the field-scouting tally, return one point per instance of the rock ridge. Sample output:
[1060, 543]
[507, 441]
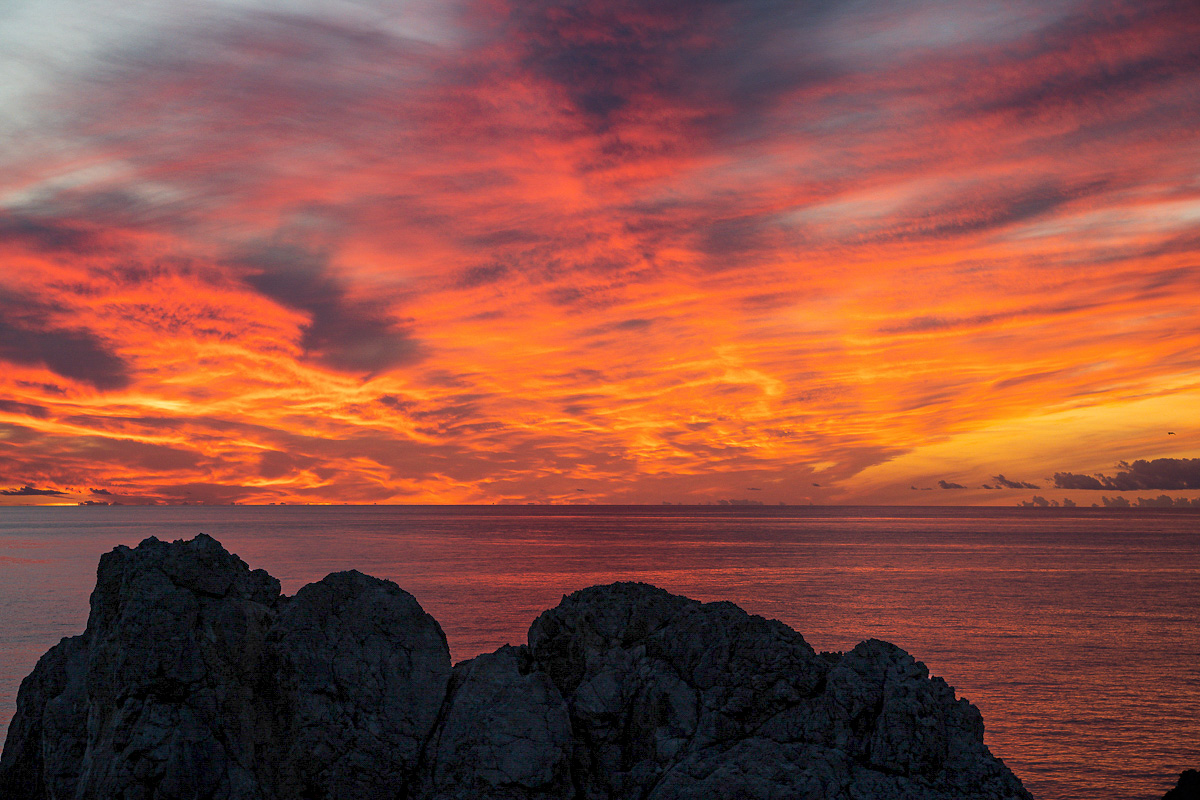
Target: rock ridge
[196, 679]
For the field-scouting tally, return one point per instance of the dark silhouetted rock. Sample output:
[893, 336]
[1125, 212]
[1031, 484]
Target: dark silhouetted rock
[671, 698]
[360, 673]
[47, 735]
[176, 642]
[505, 733]
[1188, 787]
[197, 680]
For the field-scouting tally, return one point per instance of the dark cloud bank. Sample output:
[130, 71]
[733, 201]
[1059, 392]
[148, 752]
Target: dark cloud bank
[1162, 501]
[32, 334]
[29, 491]
[343, 333]
[1171, 474]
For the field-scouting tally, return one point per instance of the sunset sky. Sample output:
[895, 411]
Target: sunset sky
[606, 252]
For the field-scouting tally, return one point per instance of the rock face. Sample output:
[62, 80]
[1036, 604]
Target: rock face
[670, 699]
[197, 680]
[1188, 787]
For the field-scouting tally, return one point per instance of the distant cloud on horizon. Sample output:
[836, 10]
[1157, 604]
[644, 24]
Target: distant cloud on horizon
[29, 491]
[1160, 473]
[1004, 482]
[1162, 501]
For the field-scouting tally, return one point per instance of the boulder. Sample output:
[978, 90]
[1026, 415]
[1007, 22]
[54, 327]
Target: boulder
[505, 733]
[359, 673]
[197, 680]
[672, 698]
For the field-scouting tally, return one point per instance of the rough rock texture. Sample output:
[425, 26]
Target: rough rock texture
[671, 698]
[359, 671]
[197, 680]
[505, 732]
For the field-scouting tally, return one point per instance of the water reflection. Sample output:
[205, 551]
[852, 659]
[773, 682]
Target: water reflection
[1075, 634]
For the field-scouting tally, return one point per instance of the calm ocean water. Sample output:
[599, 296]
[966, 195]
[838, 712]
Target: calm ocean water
[1075, 631]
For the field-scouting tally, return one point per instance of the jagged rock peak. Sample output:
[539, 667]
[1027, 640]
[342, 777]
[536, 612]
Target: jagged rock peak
[196, 679]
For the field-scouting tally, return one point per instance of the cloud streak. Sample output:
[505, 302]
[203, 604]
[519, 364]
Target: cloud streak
[357, 336]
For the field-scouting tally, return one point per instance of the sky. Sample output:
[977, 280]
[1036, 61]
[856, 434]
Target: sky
[624, 251]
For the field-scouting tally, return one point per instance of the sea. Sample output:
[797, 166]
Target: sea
[1075, 631]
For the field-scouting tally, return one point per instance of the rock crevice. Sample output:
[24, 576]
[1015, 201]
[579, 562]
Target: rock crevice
[197, 680]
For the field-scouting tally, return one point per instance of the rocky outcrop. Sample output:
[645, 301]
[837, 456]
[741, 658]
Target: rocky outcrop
[197, 680]
[670, 699]
[505, 733]
[1188, 787]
